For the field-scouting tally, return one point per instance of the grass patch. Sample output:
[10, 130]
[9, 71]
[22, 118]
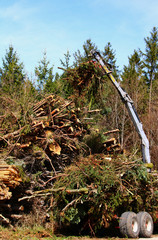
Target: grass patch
[23, 233]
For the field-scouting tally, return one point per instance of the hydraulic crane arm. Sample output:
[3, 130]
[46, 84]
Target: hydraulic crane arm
[129, 105]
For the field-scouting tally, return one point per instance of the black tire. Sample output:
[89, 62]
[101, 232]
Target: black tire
[146, 224]
[129, 225]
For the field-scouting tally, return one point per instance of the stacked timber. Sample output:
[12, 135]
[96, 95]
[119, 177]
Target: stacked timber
[9, 179]
[9, 175]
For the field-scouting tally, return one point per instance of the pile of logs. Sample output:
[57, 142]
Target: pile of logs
[9, 179]
[9, 175]
[47, 142]
[50, 139]
[111, 145]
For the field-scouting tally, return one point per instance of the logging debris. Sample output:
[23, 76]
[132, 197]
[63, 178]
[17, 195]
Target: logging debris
[97, 190]
[50, 139]
[47, 140]
[52, 127]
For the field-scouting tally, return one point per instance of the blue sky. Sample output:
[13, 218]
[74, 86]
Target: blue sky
[58, 26]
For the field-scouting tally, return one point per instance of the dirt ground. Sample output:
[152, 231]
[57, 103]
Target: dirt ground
[154, 237]
[40, 233]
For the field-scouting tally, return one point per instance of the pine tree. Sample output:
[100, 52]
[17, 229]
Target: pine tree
[151, 63]
[151, 77]
[151, 57]
[12, 74]
[84, 57]
[44, 74]
[110, 101]
[110, 58]
[66, 62]
[133, 83]
[53, 85]
[133, 80]
[65, 87]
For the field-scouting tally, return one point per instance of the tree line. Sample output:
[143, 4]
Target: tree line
[139, 77]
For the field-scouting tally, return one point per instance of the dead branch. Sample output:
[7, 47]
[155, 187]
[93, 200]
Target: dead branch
[111, 131]
[71, 203]
[14, 134]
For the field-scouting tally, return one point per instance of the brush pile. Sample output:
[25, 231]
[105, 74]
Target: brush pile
[84, 82]
[40, 142]
[50, 139]
[97, 189]
[46, 144]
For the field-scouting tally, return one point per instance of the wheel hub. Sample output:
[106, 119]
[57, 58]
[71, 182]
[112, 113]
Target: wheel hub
[148, 226]
[134, 226]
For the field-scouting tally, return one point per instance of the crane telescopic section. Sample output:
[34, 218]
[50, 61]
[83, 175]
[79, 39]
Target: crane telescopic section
[129, 105]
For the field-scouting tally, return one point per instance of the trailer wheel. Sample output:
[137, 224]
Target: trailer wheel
[129, 225]
[146, 224]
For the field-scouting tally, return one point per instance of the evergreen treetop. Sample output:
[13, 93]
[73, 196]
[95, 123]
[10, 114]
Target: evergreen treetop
[12, 74]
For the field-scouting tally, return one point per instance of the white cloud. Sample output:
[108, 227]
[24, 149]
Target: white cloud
[17, 11]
